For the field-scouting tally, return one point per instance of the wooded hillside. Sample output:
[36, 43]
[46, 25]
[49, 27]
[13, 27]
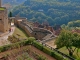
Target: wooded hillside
[54, 11]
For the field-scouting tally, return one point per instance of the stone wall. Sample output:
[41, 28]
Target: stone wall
[38, 33]
[25, 28]
[4, 20]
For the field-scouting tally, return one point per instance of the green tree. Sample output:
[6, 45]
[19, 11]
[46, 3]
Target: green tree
[63, 26]
[74, 23]
[10, 14]
[76, 42]
[66, 39]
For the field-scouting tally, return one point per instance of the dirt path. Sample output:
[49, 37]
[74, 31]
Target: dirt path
[19, 51]
[3, 38]
[51, 43]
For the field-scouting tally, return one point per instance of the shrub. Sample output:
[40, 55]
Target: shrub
[13, 39]
[57, 56]
[14, 45]
[38, 45]
[47, 50]
[38, 56]
[31, 39]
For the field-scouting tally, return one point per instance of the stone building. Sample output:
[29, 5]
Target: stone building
[4, 27]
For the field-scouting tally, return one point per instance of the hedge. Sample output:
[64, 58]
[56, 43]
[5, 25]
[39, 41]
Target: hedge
[36, 44]
[13, 46]
[48, 51]
[56, 55]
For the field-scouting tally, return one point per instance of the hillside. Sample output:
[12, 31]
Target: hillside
[54, 11]
[11, 3]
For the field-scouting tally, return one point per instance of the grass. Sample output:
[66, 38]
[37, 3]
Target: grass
[64, 50]
[20, 33]
[2, 8]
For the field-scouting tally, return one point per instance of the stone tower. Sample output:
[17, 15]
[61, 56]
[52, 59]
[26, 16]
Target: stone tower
[4, 27]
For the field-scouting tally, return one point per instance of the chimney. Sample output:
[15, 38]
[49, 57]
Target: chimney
[0, 3]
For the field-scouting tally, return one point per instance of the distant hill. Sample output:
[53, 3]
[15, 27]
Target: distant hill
[11, 3]
[54, 11]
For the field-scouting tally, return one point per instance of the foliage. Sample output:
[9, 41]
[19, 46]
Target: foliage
[54, 11]
[38, 56]
[47, 51]
[13, 39]
[36, 44]
[68, 39]
[10, 14]
[31, 39]
[71, 25]
[13, 46]
[16, 45]
[24, 56]
[12, 3]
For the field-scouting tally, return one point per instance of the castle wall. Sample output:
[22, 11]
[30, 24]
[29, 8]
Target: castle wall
[4, 21]
[38, 33]
[1, 27]
[25, 29]
[1, 21]
[6, 26]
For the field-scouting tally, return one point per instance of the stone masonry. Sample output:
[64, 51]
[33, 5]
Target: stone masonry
[3, 19]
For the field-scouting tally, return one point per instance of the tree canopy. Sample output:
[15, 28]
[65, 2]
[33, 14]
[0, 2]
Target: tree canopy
[54, 11]
[71, 25]
[69, 40]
